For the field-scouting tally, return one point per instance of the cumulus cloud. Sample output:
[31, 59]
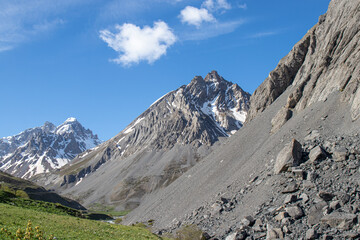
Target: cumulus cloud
[135, 44]
[214, 5]
[195, 16]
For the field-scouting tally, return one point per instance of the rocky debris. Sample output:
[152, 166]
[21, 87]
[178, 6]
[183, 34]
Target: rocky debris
[339, 220]
[315, 200]
[288, 157]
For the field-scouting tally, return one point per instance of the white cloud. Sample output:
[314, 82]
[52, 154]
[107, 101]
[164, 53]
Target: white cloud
[213, 30]
[135, 44]
[195, 16]
[214, 5]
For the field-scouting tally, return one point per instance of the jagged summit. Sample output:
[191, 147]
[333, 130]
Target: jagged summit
[166, 140]
[41, 149]
[70, 119]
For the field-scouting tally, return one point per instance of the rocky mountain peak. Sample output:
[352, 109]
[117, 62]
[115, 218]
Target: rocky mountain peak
[41, 149]
[166, 140]
[213, 76]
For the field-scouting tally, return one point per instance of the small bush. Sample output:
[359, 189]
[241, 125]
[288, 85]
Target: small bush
[29, 233]
[189, 232]
[118, 221]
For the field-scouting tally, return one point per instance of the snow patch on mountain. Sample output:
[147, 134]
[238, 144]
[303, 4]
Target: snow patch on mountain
[41, 149]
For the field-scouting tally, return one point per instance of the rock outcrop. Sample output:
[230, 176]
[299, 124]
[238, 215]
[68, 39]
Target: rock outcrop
[325, 61]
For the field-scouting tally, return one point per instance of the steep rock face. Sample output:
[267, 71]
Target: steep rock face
[157, 147]
[311, 96]
[42, 149]
[326, 60]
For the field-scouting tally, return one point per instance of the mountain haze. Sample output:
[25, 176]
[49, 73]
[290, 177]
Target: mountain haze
[171, 136]
[41, 149]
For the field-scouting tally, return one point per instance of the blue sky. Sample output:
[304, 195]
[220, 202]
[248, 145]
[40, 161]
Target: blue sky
[105, 61]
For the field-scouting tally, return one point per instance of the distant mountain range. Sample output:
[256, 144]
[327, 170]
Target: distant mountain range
[170, 137]
[41, 149]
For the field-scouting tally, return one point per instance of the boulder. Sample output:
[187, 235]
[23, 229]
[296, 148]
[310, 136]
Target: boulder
[248, 221]
[274, 233]
[326, 196]
[288, 157]
[290, 188]
[316, 153]
[295, 212]
[340, 154]
[339, 220]
[316, 213]
[290, 198]
[280, 119]
[310, 234]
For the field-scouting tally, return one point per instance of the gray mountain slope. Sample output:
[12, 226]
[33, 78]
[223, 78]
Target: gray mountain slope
[314, 88]
[160, 145]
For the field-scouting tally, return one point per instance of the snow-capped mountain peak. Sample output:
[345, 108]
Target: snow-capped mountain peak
[38, 150]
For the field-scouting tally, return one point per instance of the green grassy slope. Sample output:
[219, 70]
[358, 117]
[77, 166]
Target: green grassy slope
[66, 227]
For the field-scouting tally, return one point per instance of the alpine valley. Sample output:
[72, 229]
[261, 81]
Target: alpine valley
[209, 161]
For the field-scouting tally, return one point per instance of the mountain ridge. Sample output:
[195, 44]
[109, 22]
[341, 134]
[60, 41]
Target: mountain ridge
[166, 140]
[40, 149]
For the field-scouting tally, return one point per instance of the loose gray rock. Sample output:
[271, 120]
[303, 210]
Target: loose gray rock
[310, 234]
[274, 233]
[295, 212]
[340, 154]
[340, 220]
[291, 188]
[316, 154]
[315, 213]
[288, 157]
[290, 198]
[326, 196]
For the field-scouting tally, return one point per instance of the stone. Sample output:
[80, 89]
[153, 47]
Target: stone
[299, 173]
[288, 157]
[232, 236]
[248, 221]
[310, 234]
[335, 205]
[280, 119]
[316, 153]
[290, 188]
[280, 216]
[290, 198]
[326, 196]
[274, 233]
[312, 135]
[295, 212]
[339, 220]
[316, 213]
[304, 198]
[216, 208]
[340, 154]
